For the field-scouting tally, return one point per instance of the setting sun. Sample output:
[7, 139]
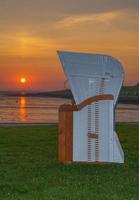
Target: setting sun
[23, 80]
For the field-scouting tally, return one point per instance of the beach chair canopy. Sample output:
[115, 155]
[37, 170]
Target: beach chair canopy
[92, 74]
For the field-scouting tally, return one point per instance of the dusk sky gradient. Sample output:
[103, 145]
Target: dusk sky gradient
[32, 31]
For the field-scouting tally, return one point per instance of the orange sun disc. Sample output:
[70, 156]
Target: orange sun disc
[23, 80]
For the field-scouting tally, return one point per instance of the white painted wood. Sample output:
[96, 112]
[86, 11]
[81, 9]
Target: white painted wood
[90, 75]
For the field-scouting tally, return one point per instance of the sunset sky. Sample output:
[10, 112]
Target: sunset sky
[32, 30]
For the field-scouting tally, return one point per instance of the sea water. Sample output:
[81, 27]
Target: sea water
[45, 110]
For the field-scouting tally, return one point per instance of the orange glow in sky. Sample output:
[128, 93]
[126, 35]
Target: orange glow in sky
[32, 32]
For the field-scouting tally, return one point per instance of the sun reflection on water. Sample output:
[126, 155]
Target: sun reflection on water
[22, 103]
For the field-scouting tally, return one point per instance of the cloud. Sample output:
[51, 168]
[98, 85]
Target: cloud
[123, 20]
[38, 10]
[77, 20]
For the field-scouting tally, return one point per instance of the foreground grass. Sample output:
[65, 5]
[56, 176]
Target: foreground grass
[29, 169]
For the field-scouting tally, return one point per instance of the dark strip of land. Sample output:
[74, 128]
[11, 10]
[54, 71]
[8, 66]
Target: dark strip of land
[128, 94]
[129, 99]
[26, 124]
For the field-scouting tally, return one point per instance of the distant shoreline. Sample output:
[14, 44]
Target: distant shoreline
[122, 99]
[45, 124]
[128, 95]
[129, 100]
[27, 124]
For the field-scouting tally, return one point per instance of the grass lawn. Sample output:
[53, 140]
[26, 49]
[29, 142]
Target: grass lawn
[29, 169]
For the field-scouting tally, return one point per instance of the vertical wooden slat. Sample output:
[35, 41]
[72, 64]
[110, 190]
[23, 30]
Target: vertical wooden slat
[61, 136]
[65, 145]
[69, 135]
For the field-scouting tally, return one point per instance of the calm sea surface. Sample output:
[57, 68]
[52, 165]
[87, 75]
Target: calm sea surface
[45, 110]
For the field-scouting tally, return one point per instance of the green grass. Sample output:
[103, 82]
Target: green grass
[29, 169]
